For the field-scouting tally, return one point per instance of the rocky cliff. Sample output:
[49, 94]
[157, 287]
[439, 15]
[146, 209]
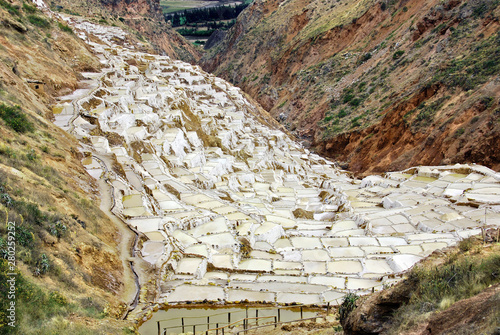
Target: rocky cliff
[377, 85]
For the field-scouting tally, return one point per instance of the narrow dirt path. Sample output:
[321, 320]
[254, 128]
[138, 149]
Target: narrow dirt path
[127, 247]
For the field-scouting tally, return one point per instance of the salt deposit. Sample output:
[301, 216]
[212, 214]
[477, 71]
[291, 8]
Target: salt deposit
[238, 210]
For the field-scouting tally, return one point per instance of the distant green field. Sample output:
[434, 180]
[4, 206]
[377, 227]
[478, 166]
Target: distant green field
[174, 6]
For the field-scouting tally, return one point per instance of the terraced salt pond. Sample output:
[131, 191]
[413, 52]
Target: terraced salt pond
[236, 211]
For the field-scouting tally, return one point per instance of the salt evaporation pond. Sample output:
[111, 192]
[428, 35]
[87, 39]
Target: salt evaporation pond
[233, 209]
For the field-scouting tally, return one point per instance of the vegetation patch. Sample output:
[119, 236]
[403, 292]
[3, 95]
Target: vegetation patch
[466, 273]
[426, 112]
[398, 54]
[15, 118]
[30, 317]
[65, 28]
[29, 9]
[38, 21]
[347, 306]
[481, 64]
[14, 10]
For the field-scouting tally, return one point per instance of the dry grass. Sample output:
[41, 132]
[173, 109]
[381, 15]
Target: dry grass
[463, 274]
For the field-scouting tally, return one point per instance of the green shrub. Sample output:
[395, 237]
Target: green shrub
[355, 124]
[38, 21]
[365, 57]
[466, 244]
[28, 8]
[14, 10]
[15, 118]
[31, 155]
[42, 266]
[347, 306]
[355, 102]
[347, 98]
[342, 113]
[459, 132]
[24, 235]
[58, 298]
[487, 101]
[398, 54]
[57, 229]
[65, 28]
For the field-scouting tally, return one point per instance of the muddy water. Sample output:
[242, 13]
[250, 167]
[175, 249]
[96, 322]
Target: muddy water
[172, 318]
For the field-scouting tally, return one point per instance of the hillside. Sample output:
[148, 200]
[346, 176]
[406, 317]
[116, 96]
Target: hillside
[375, 85]
[70, 256]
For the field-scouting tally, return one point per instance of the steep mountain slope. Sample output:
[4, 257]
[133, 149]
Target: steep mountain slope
[376, 85]
[70, 275]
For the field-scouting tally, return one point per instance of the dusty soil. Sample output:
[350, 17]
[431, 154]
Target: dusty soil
[465, 316]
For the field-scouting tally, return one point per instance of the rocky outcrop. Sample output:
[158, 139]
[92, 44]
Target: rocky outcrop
[349, 78]
[373, 315]
[214, 39]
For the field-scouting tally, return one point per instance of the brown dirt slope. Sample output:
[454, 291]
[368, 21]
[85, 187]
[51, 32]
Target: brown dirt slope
[66, 246]
[377, 85]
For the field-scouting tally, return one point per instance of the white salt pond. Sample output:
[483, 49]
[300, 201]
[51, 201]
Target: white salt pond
[236, 211]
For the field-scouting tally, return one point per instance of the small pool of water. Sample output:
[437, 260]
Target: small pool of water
[170, 321]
